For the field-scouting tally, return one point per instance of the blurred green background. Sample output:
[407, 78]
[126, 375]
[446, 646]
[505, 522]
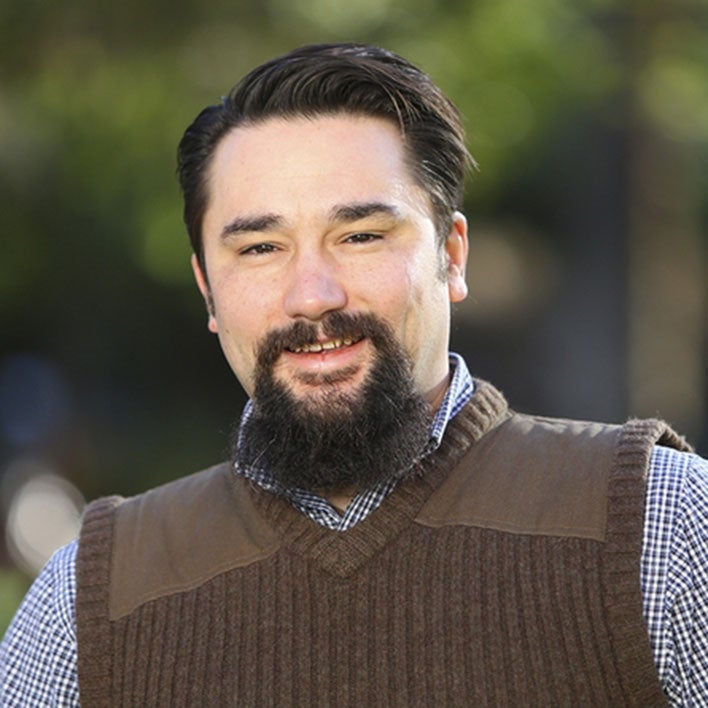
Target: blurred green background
[588, 222]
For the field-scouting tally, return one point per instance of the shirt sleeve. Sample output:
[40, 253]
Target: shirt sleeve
[38, 656]
[675, 573]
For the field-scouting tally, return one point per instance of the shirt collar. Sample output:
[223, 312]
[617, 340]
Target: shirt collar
[458, 393]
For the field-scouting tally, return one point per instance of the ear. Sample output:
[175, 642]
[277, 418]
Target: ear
[205, 290]
[456, 247]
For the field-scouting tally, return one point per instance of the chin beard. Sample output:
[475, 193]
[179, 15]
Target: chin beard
[335, 440]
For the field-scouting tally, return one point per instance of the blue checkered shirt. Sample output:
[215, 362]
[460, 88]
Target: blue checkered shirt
[38, 654]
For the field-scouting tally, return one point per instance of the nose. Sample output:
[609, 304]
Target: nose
[315, 287]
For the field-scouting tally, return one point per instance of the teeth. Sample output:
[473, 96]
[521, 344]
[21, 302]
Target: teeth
[324, 346]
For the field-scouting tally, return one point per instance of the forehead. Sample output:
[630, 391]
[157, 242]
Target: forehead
[305, 161]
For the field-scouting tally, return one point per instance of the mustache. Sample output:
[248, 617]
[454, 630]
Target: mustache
[334, 325]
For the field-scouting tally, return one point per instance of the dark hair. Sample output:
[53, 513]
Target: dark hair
[328, 79]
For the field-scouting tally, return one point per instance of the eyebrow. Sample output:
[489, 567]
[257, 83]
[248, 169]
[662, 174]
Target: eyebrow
[361, 210]
[343, 213]
[247, 224]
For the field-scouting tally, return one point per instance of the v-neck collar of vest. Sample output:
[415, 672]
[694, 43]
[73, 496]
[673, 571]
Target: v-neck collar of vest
[341, 553]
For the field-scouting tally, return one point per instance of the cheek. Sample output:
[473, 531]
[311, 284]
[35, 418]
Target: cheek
[427, 313]
[237, 347]
[241, 323]
[241, 307]
[387, 292]
[400, 298]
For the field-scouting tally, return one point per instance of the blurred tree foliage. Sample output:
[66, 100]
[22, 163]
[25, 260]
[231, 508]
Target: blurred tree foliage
[94, 274]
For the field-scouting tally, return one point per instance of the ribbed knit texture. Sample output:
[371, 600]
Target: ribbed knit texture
[392, 612]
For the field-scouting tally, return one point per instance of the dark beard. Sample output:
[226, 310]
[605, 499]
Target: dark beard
[336, 441]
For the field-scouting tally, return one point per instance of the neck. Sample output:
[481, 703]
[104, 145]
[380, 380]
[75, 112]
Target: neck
[436, 394]
[340, 498]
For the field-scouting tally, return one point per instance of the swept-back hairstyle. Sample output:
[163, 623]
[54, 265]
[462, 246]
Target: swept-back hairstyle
[326, 79]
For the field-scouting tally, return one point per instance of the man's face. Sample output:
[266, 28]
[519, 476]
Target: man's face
[308, 217]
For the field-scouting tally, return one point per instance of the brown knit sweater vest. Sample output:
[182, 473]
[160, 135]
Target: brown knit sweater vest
[504, 573]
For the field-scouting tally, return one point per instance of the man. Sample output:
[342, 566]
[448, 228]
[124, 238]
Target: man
[387, 532]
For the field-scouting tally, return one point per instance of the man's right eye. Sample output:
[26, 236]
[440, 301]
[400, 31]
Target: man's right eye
[257, 249]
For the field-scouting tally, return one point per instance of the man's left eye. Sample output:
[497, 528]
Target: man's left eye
[364, 237]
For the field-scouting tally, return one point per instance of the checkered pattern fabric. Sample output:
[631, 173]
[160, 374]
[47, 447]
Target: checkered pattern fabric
[674, 573]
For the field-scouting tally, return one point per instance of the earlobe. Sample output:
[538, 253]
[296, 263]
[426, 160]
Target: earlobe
[456, 247]
[205, 290]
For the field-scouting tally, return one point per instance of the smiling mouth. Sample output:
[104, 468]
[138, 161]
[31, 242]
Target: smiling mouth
[329, 345]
